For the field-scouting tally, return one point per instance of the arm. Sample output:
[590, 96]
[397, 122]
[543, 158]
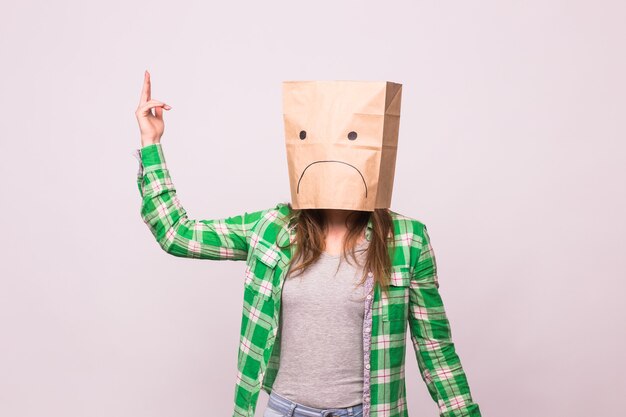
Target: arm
[431, 336]
[218, 239]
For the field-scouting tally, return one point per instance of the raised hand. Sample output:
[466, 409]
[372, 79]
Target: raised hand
[151, 124]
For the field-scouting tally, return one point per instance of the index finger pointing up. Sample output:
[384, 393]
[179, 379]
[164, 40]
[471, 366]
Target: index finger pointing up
[145, 92]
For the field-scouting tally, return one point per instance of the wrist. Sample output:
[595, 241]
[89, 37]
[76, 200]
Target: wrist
[147, 142]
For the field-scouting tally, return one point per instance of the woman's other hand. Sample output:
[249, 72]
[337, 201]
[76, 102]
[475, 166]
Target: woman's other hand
[151, 125]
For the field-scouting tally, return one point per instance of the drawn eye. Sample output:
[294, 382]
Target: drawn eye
[302, 134]
[352, 135]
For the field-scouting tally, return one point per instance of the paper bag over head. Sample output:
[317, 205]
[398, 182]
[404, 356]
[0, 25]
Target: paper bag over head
[341, 139]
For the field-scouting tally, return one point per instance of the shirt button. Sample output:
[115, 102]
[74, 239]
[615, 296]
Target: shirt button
[367, 366]
[369, 296]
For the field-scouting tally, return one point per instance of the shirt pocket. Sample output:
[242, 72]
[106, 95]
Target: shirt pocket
[261, 270]
[396, 299]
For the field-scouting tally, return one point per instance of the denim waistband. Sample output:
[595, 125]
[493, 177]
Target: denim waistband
[292, 409]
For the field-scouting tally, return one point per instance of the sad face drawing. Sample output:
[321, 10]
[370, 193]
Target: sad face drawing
[341, 139]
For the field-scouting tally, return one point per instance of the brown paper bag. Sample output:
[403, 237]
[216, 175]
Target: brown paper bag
[341, 139]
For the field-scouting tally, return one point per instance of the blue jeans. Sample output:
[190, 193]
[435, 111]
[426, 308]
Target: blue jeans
[279, 406]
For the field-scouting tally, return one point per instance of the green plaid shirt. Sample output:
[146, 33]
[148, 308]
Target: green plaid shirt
[413, 298]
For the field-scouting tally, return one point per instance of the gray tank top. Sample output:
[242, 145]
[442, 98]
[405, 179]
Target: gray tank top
[321, 331]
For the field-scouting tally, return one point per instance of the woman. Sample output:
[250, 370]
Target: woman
[334, 316]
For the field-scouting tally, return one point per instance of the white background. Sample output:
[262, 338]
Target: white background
[511, 151]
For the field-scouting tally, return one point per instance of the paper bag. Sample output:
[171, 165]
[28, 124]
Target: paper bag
[341, 139]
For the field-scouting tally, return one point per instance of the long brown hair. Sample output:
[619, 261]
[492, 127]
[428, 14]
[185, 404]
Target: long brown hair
[310, 236]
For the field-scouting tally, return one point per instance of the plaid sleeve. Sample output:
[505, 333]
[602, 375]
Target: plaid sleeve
[162, 212]
[431, 336]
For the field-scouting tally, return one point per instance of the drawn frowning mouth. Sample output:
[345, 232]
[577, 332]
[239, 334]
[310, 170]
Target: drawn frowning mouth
[330, 160]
